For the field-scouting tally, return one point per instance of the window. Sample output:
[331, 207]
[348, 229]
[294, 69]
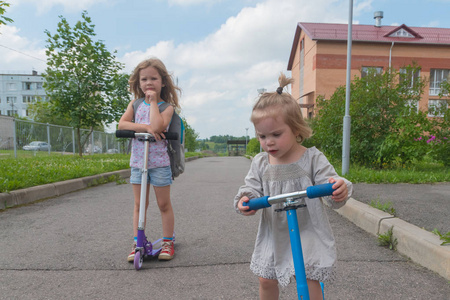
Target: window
[27, 86]
[365, 71]
[39, 85]
[402, 33]
[411, 76]
[11, 112]
[28, 99]
[437, 76]
[436, 108]
[11, 99]
[413, 105]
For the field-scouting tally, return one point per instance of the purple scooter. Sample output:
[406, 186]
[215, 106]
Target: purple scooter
[290, 206]
[144, 247]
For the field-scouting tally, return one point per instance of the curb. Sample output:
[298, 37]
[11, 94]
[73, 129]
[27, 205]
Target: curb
[421, 246]
[28, 195]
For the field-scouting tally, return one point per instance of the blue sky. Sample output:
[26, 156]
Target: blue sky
[221, 51]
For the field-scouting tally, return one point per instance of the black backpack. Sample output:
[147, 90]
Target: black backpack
[175, 148]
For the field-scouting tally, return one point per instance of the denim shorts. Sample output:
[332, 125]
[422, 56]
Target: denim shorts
[157, 176]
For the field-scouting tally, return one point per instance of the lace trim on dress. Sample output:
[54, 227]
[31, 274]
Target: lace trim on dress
[326, 274]
[267, 271]
[262, 270]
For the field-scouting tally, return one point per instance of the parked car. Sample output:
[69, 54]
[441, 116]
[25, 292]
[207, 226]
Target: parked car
[97, 149]
[111, 151]
[37, 146]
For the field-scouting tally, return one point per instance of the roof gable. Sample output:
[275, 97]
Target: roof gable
[403, 31]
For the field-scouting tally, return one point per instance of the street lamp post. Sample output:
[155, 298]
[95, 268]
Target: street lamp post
[260, 92]
[347, 119]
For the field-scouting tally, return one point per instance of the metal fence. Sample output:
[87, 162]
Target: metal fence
[20, 138]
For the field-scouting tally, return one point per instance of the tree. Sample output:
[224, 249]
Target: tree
[190, 142]
[253, 146]
[120, 96]
[4, 19]
[385, 120]
[81, 76]
[42, 112]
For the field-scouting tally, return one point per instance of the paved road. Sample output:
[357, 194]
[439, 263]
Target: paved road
[424, 205]
[75, 247]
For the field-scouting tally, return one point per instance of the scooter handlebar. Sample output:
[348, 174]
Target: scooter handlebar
[133, 134]
[257, 203]
[315, 191]
[320, 190]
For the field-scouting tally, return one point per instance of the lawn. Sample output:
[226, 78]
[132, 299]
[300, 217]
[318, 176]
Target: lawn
[31, 171]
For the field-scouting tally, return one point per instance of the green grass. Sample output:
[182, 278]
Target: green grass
[31, 171]
[386, 207]
[388, 240]
[445, 237]
[27, 172]
[415, 173]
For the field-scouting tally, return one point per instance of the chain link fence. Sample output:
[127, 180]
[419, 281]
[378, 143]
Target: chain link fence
[21, 137]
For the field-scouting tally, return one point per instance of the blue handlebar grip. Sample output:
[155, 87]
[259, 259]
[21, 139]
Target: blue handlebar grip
[257, 203]
[320, 190]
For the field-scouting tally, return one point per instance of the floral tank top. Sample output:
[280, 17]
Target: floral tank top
[157, 155]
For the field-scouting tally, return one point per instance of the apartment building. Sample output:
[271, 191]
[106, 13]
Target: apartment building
[18, 90]
[318, 59]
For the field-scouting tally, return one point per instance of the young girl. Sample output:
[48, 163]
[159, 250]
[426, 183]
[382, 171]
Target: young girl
[287, 166]
[151, 81]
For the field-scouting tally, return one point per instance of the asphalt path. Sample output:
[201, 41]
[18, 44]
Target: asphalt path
[424, 205]
[75, 247]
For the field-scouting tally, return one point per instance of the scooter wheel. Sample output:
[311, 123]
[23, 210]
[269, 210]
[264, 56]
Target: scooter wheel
[138, 259]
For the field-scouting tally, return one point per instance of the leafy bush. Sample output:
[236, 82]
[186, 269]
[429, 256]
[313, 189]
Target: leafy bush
[440, 148]
[386, 128]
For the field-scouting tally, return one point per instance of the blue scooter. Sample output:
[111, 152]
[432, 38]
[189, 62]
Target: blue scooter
[290, 206]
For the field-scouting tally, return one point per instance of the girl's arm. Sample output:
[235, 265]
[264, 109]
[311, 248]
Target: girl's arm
[252, 187]
[323, 172]
[160, 121]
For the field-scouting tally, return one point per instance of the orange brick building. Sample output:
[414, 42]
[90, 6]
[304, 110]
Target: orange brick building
[318, 58]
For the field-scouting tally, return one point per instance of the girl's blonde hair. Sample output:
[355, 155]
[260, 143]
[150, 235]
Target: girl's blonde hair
[168, 91]
[276, 104]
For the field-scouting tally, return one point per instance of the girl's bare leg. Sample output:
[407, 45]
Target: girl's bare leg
[268, 289]
[315, 291]
[165, 207]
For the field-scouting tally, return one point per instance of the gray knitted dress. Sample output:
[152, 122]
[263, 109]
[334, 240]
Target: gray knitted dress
[272, 256]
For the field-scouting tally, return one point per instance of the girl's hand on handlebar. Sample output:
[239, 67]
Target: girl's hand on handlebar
[157, 136]
[243, 208]
[340, 190]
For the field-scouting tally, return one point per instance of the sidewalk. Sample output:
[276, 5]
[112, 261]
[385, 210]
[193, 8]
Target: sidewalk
[418, 206]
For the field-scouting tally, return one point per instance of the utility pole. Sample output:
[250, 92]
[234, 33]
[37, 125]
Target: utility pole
[347, 118]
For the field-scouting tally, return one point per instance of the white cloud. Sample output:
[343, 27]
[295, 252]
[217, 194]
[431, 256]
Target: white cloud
[25, 53]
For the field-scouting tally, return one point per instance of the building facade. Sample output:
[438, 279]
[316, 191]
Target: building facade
[318, 59]
[19, 90]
